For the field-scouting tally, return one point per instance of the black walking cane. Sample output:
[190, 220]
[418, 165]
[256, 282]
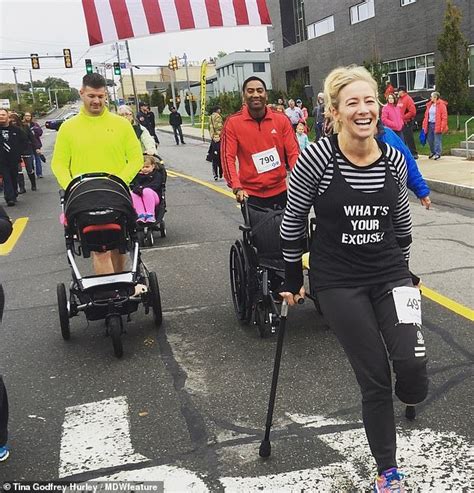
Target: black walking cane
[265, 446]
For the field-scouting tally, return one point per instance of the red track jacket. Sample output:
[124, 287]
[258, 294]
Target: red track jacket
[242, 136]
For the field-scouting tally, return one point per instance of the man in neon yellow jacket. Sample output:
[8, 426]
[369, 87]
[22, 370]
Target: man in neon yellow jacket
[97, 141]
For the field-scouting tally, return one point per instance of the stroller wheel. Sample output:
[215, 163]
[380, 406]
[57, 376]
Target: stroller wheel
[114, 325]
[141, 237]
[154, 298]
[63, 311]
[163, 229]
[149, 240]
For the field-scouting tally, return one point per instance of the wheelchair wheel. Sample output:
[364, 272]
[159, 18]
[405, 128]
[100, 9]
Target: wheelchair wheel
[114, 326]
[238, 284]
[162, 229]
[263, 319]
[154, 298]
[63, 311]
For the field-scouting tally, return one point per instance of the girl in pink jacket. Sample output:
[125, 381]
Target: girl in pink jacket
[392, 116]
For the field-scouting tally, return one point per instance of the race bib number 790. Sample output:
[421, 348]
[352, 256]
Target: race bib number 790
[266, 160]
[407, 304]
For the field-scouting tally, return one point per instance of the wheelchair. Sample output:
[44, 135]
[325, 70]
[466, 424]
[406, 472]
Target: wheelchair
[257, 269]
[99, 217]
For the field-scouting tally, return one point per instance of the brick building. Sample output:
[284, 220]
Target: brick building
[309, 38]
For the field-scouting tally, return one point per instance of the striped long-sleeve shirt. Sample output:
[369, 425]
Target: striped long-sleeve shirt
[313, 174]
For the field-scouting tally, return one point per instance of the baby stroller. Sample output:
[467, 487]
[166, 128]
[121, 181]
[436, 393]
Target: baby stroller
[99, 216]
[146, 232]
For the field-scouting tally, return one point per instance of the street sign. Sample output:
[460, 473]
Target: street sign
[5, 104]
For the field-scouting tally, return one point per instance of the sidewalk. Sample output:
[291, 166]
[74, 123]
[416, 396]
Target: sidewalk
[450, 175]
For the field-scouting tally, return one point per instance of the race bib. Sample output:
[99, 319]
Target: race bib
[266, 160]
[407, 304]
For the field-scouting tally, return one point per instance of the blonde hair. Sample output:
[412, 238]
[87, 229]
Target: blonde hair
[147, 159]
[336, 81]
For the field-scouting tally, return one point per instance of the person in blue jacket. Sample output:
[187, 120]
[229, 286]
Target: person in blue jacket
[415, 181]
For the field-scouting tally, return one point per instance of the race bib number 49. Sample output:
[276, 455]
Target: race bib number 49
[266, 160]
[407, 304]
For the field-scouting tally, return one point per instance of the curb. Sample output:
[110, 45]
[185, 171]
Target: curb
[188, 136]
[451, 189]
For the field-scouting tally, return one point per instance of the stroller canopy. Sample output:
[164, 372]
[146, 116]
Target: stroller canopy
[95, 192]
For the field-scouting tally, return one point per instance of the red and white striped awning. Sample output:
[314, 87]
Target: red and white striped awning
[111, 20]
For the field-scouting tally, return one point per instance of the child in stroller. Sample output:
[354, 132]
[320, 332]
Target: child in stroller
[147, 190]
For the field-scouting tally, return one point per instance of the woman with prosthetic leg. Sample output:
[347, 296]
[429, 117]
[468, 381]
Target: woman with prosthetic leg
[359, 258]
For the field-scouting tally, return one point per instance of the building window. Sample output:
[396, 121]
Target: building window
[362, 11]
[259, 67]
[415, 73]
[300, 22]
[471, 65]
[321, 27]
[407, 2]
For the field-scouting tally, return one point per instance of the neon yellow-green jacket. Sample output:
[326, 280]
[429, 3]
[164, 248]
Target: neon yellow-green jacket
[96, 144]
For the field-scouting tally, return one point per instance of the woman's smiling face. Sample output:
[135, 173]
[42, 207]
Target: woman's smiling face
[358, 110]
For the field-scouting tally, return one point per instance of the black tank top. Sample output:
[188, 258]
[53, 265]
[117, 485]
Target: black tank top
[355, 243]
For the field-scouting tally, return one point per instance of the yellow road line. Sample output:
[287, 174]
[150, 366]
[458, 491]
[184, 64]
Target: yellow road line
[451, 305]
[454, 306]
[18, 226]
[204, 183]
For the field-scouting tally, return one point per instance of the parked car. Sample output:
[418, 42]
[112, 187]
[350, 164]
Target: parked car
[420, 104]
[57, 122]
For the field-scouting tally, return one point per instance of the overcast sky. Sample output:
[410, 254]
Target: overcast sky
[46, 27]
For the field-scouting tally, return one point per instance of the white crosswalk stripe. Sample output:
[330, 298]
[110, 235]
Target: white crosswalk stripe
[97, 436]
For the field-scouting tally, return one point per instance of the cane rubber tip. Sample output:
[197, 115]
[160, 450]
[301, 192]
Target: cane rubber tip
[300, 301]
[410, 413]
[265, 449]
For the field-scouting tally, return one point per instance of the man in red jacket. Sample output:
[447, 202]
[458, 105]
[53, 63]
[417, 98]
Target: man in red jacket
[408, 110]
[264, 143]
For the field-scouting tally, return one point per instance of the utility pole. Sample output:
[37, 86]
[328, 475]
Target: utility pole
[131, 75]
[121, 79]
[191, 109]
[173, 77]
[49, 97]
[16, 86]
[56, 98]
[32, 88]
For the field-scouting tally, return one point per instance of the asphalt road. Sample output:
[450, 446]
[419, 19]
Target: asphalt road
[186, 404]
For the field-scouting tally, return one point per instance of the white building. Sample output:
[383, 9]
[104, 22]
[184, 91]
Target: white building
[234, 68]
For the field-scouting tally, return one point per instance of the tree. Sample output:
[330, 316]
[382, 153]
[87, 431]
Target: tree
[55, 83]
[296, 91]
[169, 97]
[187, 107]
[221, 54]
[452, 73]
[379, 72]
[157, 100]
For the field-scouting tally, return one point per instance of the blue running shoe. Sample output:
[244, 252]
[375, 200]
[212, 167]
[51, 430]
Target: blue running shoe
[390, 481]
[4, 453]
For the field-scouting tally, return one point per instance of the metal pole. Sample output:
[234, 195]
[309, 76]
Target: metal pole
[49, 97]
[131, 75]
[32, 88]
[191, 110]
[173, 77]
[16, 86]
[121, 79]
[56, 98]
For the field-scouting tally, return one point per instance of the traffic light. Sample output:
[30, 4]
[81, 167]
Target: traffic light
[173, 63]
[35, 63]
[89, 68]
[117, 70]
[67, 58]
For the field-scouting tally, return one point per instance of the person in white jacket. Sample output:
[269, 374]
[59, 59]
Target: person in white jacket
[146, 140]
